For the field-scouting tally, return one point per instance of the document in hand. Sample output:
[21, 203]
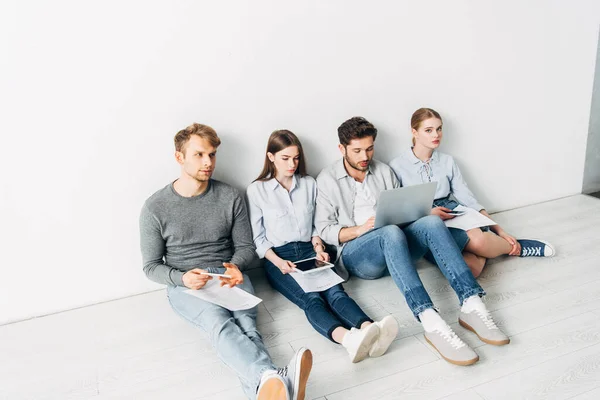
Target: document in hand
[469, 220]
[317, 281]
[233, 299]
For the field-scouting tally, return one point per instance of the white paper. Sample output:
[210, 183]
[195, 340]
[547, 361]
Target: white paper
[317, 281]
[471, 219]
[233, 299]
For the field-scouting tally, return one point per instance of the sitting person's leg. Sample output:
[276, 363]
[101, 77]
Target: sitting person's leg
[486, 244]
[346, 309]
[462, 239]
[357, 342]
[474, 262]
[388, 246]
[238, 351]
[430, 233]
[372, 254]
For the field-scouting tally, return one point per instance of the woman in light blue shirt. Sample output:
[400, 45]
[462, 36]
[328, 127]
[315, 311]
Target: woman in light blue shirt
[281, 204]
[423, 163]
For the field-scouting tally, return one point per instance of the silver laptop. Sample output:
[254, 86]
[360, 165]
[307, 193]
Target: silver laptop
[404, 205]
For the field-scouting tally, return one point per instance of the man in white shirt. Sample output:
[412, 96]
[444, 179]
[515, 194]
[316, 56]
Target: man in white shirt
[348, 191]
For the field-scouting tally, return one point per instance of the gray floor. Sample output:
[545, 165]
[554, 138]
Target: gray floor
[136, 348]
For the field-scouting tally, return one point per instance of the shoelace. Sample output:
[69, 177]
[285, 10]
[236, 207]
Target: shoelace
[487, 319]
[532, 251]
[449, 335]
[283, 371]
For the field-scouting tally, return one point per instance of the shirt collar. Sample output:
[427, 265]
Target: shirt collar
[415, 160]
[274, 183]
[340, 169]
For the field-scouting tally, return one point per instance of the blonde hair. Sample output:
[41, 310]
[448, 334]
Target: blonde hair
[421, 115]
[203, 131]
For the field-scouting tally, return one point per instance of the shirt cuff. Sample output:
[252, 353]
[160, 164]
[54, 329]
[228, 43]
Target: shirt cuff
[478, 207]
[263, 248]
[177, 277]
[334, 235]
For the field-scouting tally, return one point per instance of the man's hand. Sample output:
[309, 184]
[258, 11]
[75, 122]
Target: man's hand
[286, 266]
[366, 227]
[442, 212]
[194, 280]
[235, 273]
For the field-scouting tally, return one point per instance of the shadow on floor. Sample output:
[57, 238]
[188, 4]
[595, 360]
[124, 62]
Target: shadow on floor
[597, 195]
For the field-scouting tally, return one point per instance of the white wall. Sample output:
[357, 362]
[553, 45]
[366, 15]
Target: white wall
[91, 95]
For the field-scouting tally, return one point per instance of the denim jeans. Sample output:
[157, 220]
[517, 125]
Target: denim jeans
[387, 249]
[325, 310]
[233, 334]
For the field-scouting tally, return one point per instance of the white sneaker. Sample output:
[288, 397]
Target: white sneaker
[358, 342]
[272, 387]
[388, 330]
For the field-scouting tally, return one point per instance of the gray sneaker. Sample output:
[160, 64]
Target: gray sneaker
[481, 323]
[272, 387]
[450, 346]
[296, 373]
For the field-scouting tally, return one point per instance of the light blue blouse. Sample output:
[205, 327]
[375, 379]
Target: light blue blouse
[441, 168]
[279, 217]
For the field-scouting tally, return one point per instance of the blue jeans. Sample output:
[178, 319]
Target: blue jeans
[372, 254]
[325, 310]
[233, 334]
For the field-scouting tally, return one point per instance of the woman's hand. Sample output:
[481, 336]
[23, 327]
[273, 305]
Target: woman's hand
[516, 246]
[323, 256]
[286, 266]
[442, 212]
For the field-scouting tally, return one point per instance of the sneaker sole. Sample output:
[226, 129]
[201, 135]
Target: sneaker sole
[365, 346]
[387, 336]
[550, 247]
[488, 341]
[455, 362]
[273, 389]
[304, 367]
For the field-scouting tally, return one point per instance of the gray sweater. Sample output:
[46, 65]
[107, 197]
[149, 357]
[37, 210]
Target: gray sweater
[179, 233]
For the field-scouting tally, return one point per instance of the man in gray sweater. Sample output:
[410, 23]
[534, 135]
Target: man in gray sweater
[197, 225]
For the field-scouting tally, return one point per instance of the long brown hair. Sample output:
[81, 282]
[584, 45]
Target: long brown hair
[278, 141]
[421, 115]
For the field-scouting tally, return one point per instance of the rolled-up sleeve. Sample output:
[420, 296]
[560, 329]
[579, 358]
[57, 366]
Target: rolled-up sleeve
[326, 220]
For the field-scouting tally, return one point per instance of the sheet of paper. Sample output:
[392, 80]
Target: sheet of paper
[469, 220]
[317, 281]
[233, 299]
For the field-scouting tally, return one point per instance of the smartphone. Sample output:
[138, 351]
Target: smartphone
[216, 275]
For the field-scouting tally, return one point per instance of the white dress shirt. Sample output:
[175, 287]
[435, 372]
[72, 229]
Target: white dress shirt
[279, 217]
